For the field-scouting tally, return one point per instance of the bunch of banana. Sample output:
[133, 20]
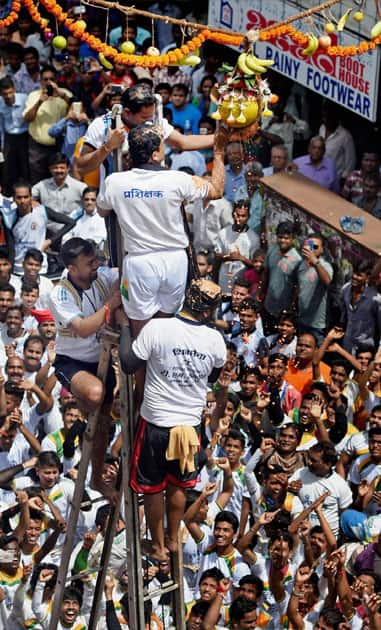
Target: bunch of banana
[312, 46]
[249, 64]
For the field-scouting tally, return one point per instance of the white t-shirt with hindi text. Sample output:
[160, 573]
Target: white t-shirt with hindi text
[180, 355]
[147, 203]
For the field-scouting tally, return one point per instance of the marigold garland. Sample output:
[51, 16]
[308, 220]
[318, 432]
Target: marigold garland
[12, 15]
[78, 30]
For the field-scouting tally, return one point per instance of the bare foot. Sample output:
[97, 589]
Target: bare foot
[109, 492]
[171, 544]
[153, 551]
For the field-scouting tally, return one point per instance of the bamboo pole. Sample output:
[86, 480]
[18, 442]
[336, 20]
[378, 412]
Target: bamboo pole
[105, 4]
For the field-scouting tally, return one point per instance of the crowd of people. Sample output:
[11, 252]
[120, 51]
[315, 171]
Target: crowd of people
[256, 362]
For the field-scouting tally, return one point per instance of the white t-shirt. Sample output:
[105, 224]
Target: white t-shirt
[88, 226]
[229, 241]
[232, 565]
[147, 204]
[29, 231]
[65, 308]
[313, 487]
[180, 356]
[97, 134]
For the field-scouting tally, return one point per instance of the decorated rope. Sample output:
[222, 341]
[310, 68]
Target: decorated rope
[78, 29]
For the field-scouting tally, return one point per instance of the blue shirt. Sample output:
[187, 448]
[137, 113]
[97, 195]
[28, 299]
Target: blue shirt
[188, 117]
[235, 185]
[11, 119]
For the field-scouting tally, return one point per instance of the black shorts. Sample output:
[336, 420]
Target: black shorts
[65, 368]
[150, 470]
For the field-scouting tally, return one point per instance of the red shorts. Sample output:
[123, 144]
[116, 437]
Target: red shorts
[150, 470]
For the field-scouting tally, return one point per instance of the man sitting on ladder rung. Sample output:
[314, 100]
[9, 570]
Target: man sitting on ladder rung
[81, 303]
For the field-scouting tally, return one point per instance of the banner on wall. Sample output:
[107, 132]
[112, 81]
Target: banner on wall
[349, 81]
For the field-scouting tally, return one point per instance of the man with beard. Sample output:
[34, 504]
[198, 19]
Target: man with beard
[47, 328]
[81, 304]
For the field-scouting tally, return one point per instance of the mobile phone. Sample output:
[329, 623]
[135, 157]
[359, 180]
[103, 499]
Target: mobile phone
[311, 245]
[77, 108]
[116, 88]
[79, 10]
[49, 89]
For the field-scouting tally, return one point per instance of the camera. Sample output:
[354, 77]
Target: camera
[116, 88]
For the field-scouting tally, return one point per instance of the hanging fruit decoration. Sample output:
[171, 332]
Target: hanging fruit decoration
[244, 96]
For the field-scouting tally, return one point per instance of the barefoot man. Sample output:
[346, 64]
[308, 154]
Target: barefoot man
[181, 355]
[81, 303]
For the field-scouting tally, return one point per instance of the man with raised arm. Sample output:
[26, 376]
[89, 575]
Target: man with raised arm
[139, 104]
[182, 354]
[148, 203]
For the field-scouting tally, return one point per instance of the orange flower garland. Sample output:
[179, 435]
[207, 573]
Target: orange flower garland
[78, 30]
[12, 15]
[36, 16]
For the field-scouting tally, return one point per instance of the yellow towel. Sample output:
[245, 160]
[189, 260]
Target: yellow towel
[183, 444]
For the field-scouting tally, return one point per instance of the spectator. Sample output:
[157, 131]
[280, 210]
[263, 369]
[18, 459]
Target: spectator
[353, 186]
[14, 132]
[69, 130]
[314, 277]
[235, 182]
[279, 160]
[316, 166]
[184, 114]
[28, 77]
[302, 369]
[278, 291]
[88, 222]
[253, 174]
[360, 308]
[339, 145]
[43, 108]
[235, 246]
[370, 200]
[322, 458]
[29, 229]
[60, 191]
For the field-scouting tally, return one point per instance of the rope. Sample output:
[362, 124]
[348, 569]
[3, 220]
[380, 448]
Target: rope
[198, 26]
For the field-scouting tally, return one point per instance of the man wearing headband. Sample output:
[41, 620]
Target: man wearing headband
[182, 355]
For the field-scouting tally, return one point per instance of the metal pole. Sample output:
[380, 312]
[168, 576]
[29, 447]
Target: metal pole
[78, 495]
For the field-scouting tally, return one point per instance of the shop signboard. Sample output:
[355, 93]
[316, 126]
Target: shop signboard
[351, 82]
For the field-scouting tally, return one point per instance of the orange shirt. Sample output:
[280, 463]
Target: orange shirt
[92, 178]
[303, 379]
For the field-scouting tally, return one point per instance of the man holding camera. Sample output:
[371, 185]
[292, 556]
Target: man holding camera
[43, 108]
